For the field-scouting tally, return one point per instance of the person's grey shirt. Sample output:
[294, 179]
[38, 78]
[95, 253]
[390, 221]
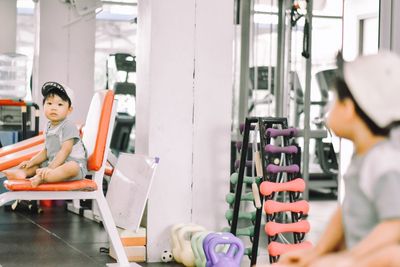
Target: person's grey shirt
[57, 135]
[372, 190]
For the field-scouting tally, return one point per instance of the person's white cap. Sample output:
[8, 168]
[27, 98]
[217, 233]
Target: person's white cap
[374, 82]
[60, 87]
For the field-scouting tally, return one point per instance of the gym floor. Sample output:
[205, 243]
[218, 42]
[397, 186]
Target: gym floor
[60, 238]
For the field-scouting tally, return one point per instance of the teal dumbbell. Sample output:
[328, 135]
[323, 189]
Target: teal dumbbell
[246, 179]
[230, 198]
[247, 231]
[242, 215]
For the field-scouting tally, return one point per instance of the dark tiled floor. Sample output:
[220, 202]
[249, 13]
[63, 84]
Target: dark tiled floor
[55, 237]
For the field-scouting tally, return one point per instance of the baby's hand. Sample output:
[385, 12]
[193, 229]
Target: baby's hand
[43, 172]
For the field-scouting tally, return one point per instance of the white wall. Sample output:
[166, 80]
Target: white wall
[354, 10]
[8, 29]
[184, 96]
[64, 53]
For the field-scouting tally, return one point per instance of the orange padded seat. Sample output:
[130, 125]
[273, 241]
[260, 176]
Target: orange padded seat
[25, 185]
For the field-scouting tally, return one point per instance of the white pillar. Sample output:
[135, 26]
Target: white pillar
[65, 53]
[389, 25]
[184, 98]
[8, 30]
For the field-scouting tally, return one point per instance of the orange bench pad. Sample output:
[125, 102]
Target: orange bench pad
[25, 185]
[21, 145]
[96, 159]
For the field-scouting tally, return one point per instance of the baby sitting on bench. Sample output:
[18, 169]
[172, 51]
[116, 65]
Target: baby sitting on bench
[64, 156]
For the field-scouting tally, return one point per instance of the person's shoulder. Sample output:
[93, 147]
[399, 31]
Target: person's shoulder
[385, 152]
[69, 124]
[379, 161]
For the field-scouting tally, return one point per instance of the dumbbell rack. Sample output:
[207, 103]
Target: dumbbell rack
[269, 180]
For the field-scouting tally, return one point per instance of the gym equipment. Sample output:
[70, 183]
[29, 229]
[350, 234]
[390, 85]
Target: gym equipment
[197, 247]
[184, 236]
[232, 258]
[274, 228]
[181, 243]
[206, 242]
[13, 75]
[278, 149]
[96, 138]
[288, 132]
[24, 105]
[175, 243]
[125, 91]
[275, 249]
[271, 168]
[246, 179]
[295, 185]
[242, 215]
[271, 207]
[248, 163]
[275, 164]
[230, 197]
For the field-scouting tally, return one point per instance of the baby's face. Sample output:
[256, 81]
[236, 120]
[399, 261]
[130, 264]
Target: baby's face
[56, 109]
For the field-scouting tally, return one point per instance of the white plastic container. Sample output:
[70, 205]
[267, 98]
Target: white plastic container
[13, 76]
[129, 189]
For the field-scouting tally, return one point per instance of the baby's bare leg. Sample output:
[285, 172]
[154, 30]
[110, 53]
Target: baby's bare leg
[20, 173]
[385, 257]
[61, 173]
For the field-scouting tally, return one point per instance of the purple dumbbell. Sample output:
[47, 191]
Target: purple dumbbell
[241, 127]
[271, 168]
[234, 255]
[239, 145]
[279, 149]
[206, 244]
[248, 163]
[271, 132]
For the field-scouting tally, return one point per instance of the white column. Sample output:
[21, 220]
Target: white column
[213, 81]
[389, 25]
[8, 30]
[65, 53]
[184, 96]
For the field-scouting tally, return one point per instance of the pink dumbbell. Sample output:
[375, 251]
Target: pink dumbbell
[271, 207]
[274, 228]
[296, 185]
[276, 249]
